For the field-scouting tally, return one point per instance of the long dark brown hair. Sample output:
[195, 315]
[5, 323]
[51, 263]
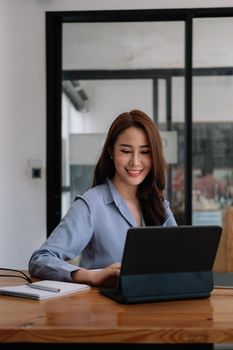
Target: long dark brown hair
[151, 191]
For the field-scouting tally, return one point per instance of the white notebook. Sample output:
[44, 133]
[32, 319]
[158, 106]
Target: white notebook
[27, 290]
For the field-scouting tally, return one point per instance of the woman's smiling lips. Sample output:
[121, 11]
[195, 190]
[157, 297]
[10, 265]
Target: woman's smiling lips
[134, 172]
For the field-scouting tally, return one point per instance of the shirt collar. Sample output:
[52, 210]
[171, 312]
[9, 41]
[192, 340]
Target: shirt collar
[112, 195]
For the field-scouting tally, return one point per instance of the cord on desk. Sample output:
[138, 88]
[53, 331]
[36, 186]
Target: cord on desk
[24, 276]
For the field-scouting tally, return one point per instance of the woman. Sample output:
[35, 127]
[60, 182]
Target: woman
[127, 190]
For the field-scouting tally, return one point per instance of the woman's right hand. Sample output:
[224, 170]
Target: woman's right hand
[107, 277]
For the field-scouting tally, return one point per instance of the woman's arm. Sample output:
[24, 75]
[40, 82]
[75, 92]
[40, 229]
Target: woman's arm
[51, 260]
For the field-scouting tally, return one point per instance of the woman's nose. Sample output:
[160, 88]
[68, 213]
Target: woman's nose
[134, 160]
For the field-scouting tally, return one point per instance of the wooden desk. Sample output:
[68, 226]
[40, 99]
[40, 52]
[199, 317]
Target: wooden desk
[89, 317]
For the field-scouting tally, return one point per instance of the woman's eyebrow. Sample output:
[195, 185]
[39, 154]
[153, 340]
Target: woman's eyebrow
[126, 145]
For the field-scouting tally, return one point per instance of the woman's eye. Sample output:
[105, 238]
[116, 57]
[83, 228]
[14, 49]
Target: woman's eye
[146, 152]
[125, 151]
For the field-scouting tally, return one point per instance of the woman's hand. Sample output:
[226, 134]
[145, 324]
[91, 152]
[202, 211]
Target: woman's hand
[107, 277]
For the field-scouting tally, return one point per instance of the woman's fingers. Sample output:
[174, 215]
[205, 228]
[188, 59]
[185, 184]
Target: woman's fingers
[108, 276]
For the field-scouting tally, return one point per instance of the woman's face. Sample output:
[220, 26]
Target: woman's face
[132, 157]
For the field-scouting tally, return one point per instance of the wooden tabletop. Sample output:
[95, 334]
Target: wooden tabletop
[89, 317]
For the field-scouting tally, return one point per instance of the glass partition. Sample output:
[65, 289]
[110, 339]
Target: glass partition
[213, 130]
[140, 53]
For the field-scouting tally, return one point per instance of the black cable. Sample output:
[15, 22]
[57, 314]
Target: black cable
[25, 277]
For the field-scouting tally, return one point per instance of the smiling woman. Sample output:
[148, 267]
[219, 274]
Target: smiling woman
[127, 191]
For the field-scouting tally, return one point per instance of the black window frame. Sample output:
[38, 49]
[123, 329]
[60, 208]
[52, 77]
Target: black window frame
[54, 76]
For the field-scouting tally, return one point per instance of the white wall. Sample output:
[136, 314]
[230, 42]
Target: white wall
[22, 110]
[23, 114]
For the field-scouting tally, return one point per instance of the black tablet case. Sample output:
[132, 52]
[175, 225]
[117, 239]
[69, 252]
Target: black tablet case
[167, 263]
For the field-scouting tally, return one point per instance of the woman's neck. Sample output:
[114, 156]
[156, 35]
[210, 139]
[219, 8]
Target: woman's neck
[126, 191]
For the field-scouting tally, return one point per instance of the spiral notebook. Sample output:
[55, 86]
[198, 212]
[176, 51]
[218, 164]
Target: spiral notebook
[55, 289]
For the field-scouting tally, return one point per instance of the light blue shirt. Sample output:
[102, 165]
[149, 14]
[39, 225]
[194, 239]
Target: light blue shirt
[94, 227]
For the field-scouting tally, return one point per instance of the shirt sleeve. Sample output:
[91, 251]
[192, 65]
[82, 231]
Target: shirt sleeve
[169, 220]
[69, 238]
